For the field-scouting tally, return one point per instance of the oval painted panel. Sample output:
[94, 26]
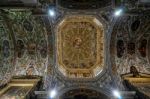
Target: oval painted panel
[43, 48]
[142, 47]
[31, 47]
[6, 49]
[20, 48]
[28, 25]
[135, 25]
[120, 48]
[131, 48]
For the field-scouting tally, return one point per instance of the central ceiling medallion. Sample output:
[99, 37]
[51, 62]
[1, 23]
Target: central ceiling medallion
[80, 47]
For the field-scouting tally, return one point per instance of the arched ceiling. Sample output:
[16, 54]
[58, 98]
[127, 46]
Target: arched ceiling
[24, 45]
[31, 43]
[83, 94]
[28, 47]
[7, 54]
[130, 44]
[33, 46]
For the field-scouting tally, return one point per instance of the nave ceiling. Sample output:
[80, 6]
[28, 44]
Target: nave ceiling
[65, 52]
[33, 47]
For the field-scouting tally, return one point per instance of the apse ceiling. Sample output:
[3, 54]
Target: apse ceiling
[80, 46]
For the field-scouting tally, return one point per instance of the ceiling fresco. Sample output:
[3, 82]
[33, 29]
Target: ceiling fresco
[31, 43]
[80, 46]
[131, 44]
[23, 45]
[74, 48]
[6, 51]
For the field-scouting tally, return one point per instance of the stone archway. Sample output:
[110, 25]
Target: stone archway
[83, 93]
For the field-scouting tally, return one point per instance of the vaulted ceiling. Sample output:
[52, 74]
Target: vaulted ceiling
[83, 45]
[24, 48]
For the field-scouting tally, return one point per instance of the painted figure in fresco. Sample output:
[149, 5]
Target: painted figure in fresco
[43, 48]
[20, 48]
[120, 48]
[134, 71]
[6, 49]
[135, 25]
[27, 25]
[142, 48]
[131, 48]
[77, 42]
[31, 47]
[30, 70]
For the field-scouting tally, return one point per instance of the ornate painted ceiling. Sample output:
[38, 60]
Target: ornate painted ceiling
[131, 42]
[80, 46]
[6, 52]
[23, 45]
[76, 48]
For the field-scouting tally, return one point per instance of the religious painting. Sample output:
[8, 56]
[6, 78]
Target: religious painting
[31, 47]
[43, 48]
[31, 68]
[134, 71]
[80, 45]
[142, 47]
[27, 25]
[6, 49]
[135, 25]
[30, 71]
[120, 48]
[131, 48]
[16, 92]
[20, 48]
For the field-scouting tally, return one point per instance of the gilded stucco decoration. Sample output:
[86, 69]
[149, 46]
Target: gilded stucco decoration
[80, 46]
